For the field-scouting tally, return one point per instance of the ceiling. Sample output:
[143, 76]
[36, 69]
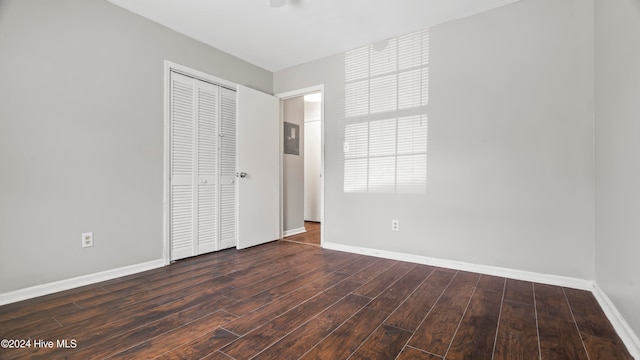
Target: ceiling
[301, 30]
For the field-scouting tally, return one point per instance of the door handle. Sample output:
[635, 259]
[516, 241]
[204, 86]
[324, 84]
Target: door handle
[241, 174]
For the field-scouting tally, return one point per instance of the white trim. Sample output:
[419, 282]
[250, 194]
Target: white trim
[168, 65]
[460, 265]
[62, 285]
[166, 244]
[300, 92]
[281, 164]
[628, 336]
[289, 95]
[292, 232]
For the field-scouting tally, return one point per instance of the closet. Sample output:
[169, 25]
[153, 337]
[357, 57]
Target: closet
[202, 165]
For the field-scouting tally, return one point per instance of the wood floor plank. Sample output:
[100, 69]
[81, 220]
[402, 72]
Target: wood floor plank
[378, 284]
[368, 273]
[50, 305]
[129, 296]
[201, 346]
[476, 334]
[279, 306]
[259, 339]
[245, 265]
[589, 316]
[519, 291]
[23, 307]
[130, 332]
[111, 324]
[299, 341]
[493, 283]
[309, 271]
[559, 336]
[132, 306]
[559, 339]
[411, 313]
[395, 294]
[229, 261]
[605, 348]
[598, 335]
[38, 316]
[167, 341]
[385, 343]
[218, 355]
[409, 353]
[517, 337]
[551, 302]
[348, 337]
[283, 287]
[434, 335]
[270, 276]
[312, 259]
[356, 265]
[27, 330]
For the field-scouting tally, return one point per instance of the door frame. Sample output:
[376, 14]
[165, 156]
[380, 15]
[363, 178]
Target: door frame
[293, 94]
[168, 68]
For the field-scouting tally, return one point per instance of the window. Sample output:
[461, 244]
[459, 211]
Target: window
[386, 100]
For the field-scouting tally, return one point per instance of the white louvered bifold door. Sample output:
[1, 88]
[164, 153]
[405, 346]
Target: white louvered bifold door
[207, 111]
[228, 185]
[182, 165]
[202, 206]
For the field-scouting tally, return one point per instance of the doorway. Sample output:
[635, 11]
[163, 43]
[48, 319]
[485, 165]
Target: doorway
[302, 166]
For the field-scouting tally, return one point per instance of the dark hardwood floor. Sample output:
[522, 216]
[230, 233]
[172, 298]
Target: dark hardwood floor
[286, 300]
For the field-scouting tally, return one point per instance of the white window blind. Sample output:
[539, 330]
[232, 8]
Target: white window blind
[386, 101]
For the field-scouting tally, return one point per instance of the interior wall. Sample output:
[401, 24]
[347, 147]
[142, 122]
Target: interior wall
[293, 168]
[510, 173]
[617, 148]
[81, 135]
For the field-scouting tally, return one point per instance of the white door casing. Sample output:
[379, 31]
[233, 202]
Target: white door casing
[258, 167]
[301, 92]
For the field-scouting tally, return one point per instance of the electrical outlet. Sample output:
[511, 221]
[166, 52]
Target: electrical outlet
[395, 226]
[87, 239]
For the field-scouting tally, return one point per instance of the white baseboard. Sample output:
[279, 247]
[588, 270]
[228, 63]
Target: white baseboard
[460, 265]
[56, 286]
[628, 336]
[623, 329]
[294, 232]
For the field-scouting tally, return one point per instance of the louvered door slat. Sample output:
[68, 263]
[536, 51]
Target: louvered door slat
[182, 221]
[228, 186]
[182, 167]
[207, 113]
[181, 126]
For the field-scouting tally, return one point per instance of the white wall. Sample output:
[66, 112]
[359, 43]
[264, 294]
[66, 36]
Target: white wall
[617, 154]
[510, 157]
[81, 135]
[293, 169]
